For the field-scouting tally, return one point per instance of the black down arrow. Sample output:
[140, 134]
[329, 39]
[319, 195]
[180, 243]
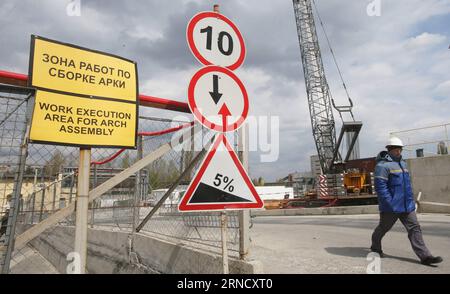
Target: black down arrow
[215, 95]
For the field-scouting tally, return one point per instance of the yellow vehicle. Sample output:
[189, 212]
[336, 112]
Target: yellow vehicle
[356, 182]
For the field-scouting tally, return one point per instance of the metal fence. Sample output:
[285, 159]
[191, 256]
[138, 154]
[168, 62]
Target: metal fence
[425, 141]
[13, 123]
[48, 183]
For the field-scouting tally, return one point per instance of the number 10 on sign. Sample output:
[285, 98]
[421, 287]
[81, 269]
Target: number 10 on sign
[214, 39]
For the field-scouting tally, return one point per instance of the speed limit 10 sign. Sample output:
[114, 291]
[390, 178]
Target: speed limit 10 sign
[214, 39]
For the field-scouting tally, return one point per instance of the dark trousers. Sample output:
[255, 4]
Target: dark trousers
[409, 221]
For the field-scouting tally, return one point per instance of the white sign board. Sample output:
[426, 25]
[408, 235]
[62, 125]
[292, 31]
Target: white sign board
[218, 99]
[221, 182]
[214, 39]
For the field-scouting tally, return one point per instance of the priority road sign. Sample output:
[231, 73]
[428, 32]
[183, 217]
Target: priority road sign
[218, 99]
[214, 39]
[221, 182]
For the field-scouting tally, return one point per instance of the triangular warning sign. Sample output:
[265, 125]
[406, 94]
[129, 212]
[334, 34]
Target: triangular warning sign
[221, 182]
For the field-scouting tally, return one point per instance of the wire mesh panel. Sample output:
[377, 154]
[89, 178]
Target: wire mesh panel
[425, 141]
[13, 106]
[201, 228]
[13, 121]
[49, 185]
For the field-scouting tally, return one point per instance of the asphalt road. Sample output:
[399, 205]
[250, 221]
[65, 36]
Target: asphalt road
[340, 244]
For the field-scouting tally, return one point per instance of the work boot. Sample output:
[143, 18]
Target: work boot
[432, 260]
[380, 252]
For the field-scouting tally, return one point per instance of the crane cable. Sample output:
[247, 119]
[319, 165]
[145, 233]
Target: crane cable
[331, 49]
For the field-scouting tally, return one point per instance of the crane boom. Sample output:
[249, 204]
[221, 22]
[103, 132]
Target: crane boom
[318, 92]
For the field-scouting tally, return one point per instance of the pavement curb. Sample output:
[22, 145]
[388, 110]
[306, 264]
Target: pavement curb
[338, 210]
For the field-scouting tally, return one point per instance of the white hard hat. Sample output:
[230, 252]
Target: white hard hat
[394, 141]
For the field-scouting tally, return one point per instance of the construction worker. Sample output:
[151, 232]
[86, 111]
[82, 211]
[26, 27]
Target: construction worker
[396, 201]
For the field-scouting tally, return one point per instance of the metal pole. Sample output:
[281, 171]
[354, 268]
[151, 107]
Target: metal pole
[4, 190]
[93, 202]
[42, 203]
[72, 182]
[244, 215]
[223, 215]
[81, 224]
[32, 208]
[410, 151]
[416, 129]
[34, 195]
[54, 193]
[43, 192]
[223, 223]
[137, 189]
[446, 134]
[181, 160]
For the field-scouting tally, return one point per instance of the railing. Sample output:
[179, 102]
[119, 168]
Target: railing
[431, 140]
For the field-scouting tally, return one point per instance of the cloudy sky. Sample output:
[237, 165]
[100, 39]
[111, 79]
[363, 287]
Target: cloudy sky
[396, 65]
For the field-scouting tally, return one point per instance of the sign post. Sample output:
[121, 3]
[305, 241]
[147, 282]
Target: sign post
[219, 101]
[224, 224]
[244, 215]
[84, 98]
[81, 221]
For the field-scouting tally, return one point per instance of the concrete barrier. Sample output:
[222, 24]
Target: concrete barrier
[431, 176]
[109, 253]
[337, 210]
[433, 207]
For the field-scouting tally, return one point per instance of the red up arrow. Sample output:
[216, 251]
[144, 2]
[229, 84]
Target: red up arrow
[224, 112]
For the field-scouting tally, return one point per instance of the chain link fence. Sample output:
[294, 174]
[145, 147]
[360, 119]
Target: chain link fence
[49, 184]
[14, 103]
[425, 141]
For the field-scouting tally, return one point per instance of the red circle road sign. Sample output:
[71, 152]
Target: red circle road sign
[215, 40]
[218, 99]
